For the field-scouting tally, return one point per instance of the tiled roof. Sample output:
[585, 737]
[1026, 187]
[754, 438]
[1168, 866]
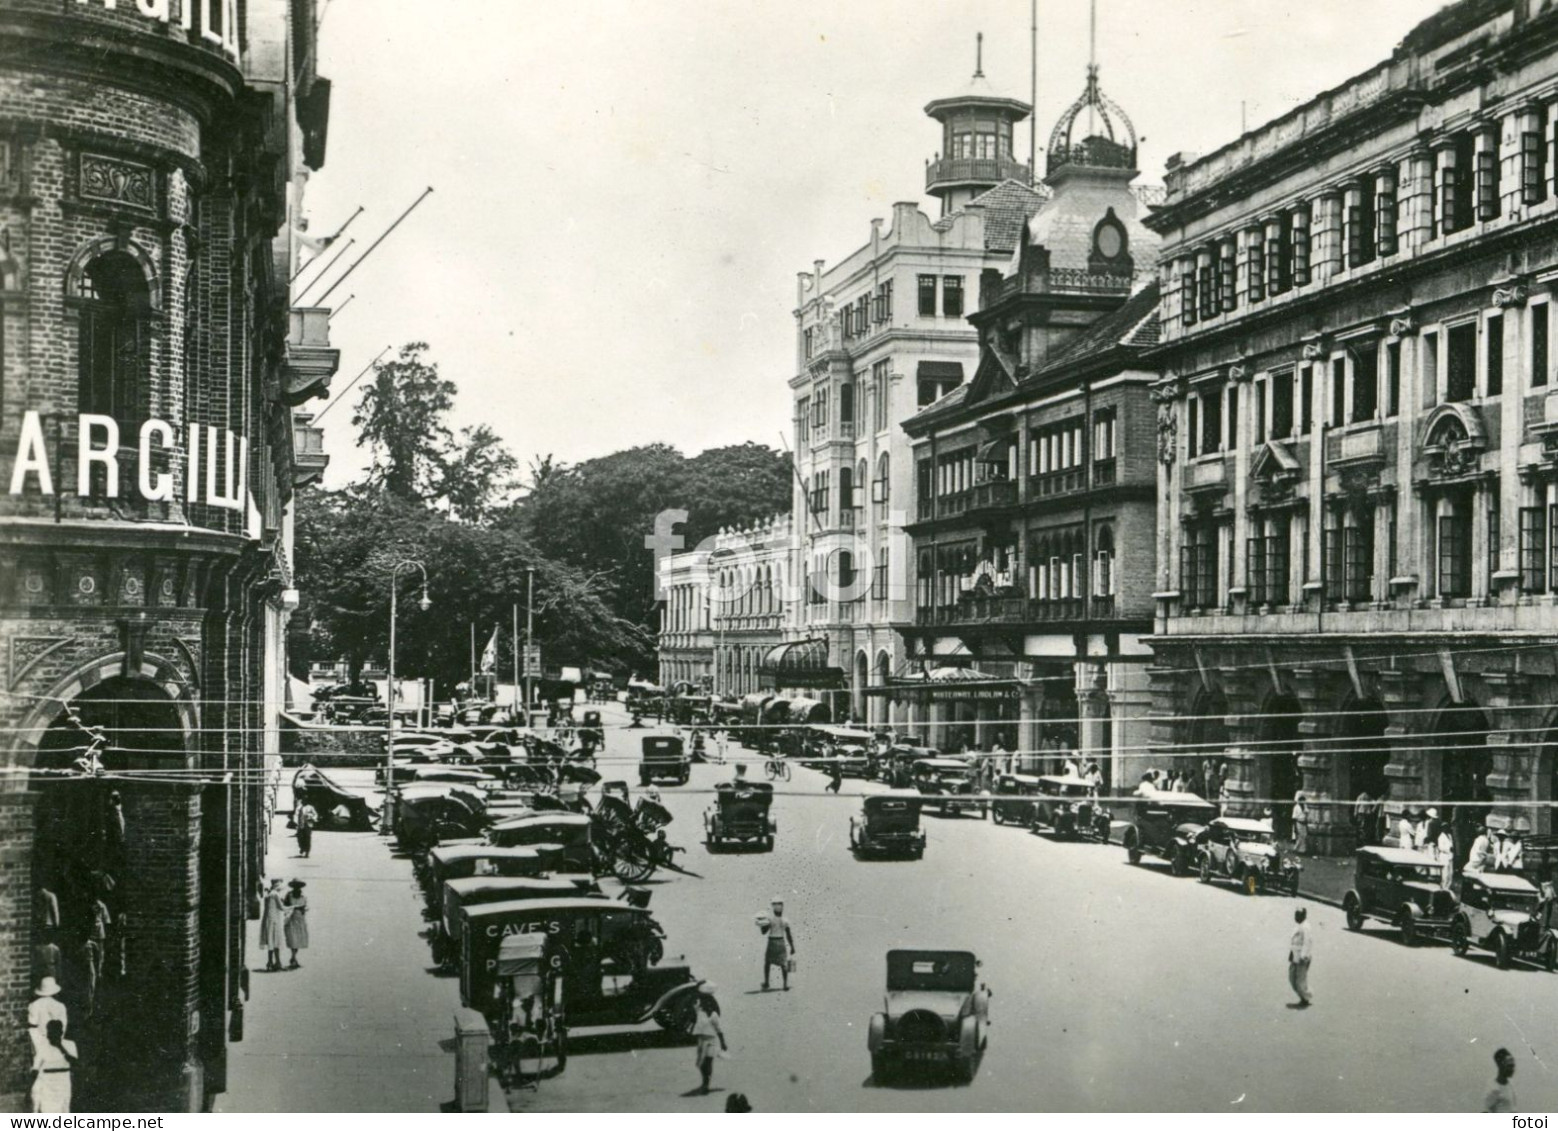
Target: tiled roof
[945, 404]
[1134, 325]
[1007, 208]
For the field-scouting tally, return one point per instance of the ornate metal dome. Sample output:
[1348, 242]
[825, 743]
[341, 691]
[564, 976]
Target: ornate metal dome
[1111, 139]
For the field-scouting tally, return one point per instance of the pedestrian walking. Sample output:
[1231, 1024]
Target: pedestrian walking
[271, 920]
[1300, 825]
[295, 930]
[1501, 1097]
[304, 818]
[835, 775]
[45, 1009]
[51, 1065]
[780, 946]
[1300, 951]
[707, 1029]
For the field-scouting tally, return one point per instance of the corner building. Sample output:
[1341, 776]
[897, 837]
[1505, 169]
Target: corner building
[1358, 515]
[150, 152]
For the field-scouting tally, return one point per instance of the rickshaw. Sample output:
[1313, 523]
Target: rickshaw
[600, 950]
[527, 1027]
[476, 890]
[571, 830]
[664, 758]
[336, 806]
[1013, 803]
[631, 842]
[426, 815]
[740, 815]
[1069, 806]
[888, 825]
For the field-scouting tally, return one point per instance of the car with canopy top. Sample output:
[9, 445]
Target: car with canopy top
[1166, 824]
[936, 1014]
[1014, 799]
[1504, 913]
[664, 759]
[951, 786]
[888, 825]
[475, 890]
[847, 748]
[739, 814]
[1403, 888]
[1069, 806]
[571, 830]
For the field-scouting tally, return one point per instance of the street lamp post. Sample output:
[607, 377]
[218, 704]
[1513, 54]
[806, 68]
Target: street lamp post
[389, 691]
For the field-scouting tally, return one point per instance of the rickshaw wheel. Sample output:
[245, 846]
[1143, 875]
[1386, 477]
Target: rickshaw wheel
[678, 1017]
[632, 870]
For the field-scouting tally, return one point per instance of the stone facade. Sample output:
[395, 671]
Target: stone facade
[146, 440]
[1358, 495]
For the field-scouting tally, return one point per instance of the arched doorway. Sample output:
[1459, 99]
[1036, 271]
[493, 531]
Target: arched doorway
[1361, 755]
[1456, 764]
[1207, 745]
[1277, 777]
[91, 870]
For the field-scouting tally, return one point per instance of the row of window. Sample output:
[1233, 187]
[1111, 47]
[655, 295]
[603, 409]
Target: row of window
[1361, 220]
[1052, 448]
[1059, 567]
[951, 295]
[851, 489]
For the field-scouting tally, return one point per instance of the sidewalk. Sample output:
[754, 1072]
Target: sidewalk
[363, 1026]
[1326, 878]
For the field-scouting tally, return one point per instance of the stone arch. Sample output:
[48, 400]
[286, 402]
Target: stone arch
[78, 286]
[1361, 750]
[153, 668]
[1456, 765]
[884, 668]
[1275, 773]
[862, 677]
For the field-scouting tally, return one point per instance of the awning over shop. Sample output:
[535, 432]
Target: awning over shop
[948, 684]
[940, 370]
[992, 451]
[800, 663]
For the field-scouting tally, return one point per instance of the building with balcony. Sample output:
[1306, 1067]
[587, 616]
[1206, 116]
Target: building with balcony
[685, 644]
[879, 336]
[1358, 518]
[152, 161]
[1034, 484]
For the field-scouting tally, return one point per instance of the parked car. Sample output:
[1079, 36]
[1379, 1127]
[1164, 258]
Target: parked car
[1502, 913]
[1070, 807]
[1166, 825]
[1014, 799]
[888, 825]
[848, 748]
[1246, 851]
[1402, 888]
[952, 786]
[936, 1014]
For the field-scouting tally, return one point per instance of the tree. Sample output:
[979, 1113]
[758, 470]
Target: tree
[401, 418]
[477, 472]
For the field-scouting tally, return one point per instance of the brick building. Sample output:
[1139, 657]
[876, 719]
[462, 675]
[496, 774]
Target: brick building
[1034, 483]
[1358, 521]
[150, 152]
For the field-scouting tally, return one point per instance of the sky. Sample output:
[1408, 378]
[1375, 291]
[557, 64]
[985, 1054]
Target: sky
[624, 190]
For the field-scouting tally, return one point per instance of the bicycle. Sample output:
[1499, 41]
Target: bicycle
[776, 769]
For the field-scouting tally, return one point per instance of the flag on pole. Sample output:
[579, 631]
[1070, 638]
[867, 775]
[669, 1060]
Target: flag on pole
[489, 656]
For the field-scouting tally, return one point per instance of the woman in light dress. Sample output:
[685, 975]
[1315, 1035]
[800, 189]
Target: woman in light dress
[296, 928]
[271, 920]
[707, 1030]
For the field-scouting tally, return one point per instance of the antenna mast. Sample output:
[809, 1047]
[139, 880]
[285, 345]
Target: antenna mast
[1033, 96]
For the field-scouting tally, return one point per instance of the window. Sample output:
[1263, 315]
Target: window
[1192, 426]
[1552, 542]
[881, 391]
[952, 296]
[1489, 205]
[1103, 563]
[1538, 344]
[984, 146]
[884, 301]
[1187, 296]
[879, 487]
[1278, 263]
[1299, 248]
[1493, 537]
[1533, 159]
[1455, 185]
[819, 494]
[1338, 392]
[925, 484]
[1198, 567]
[925, 582]
[1430, 354]
[1385, 212]
[1211, 422]
[846, 570]
[1255, 268]
[1260, 412]
[1358, 558]
[1282, 405]
[1233, 418]
[879, 582]
[1365, 383]
[1455, 555]
[847, 403]
[863, 315]
[849, 498]
[1228, 270]
[927, 296]
[1461, 383]
[1206, 285]
[1360, 229]
[808, 337]
[1306, 402]
[1103, 434]
[1495, 349]
[1533, 550]
[1393, 379]
[113, 339]
[802, 421]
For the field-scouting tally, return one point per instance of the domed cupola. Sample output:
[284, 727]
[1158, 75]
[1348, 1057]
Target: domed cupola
[1094, 135]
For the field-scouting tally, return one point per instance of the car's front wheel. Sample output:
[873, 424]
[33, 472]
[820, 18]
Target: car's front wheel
[879, 1067]
[1354, 913]
[1408, 925]
[1133, 846]
[1206, 869]
[1460, 935]
[1503, 952]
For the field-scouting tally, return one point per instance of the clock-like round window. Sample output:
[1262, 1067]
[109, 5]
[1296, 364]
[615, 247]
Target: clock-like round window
[1109, 240]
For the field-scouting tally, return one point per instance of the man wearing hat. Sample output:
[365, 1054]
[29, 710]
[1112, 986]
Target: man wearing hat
[1481, 858]
[45, 1007]
[781, 942]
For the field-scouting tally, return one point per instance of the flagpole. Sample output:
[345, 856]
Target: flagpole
[516, 657]
[473, 659]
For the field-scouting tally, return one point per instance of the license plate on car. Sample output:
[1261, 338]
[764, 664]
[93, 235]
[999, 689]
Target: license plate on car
[930, 1055]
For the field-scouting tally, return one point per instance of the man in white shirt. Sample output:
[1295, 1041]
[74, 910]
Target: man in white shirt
[1481, 857]
[1300, 952]
[1406, 834]
[1513, 857]
[1501, 1097]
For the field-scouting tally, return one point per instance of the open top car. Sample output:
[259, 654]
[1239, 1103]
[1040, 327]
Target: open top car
[888, 825]
[936, 1013]
[1403, 888]
[1503, 913]
[1246, 852]
[951, 786]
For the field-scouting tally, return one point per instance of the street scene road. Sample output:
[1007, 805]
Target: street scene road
[1114, 987]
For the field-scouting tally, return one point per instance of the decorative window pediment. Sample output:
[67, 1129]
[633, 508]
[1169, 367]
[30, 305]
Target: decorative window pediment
[1452, 440]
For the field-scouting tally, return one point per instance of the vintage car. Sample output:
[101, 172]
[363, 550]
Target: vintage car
[896, 767]
[1502, 913]
[475, 890]
[1403, 888]
[664, 758]
[846, 748]
[457, 861]
[605, 951]
[937, 1014]
[1069, 806]
[1167, 824]
[571, 830]
[888, 825]
[336, 805]
[1246, 852]
[1014, 799]
[951, 786]
[740, 815]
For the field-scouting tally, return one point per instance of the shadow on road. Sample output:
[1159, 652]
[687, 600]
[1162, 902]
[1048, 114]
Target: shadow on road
[596, 1043]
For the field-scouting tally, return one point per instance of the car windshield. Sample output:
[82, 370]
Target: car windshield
[1249, 836]
[925, 970]
[1512, 900]
[1416, 873]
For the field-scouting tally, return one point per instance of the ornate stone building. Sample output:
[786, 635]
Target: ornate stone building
[1358, 522]
[150, 151]
[1034, 483]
